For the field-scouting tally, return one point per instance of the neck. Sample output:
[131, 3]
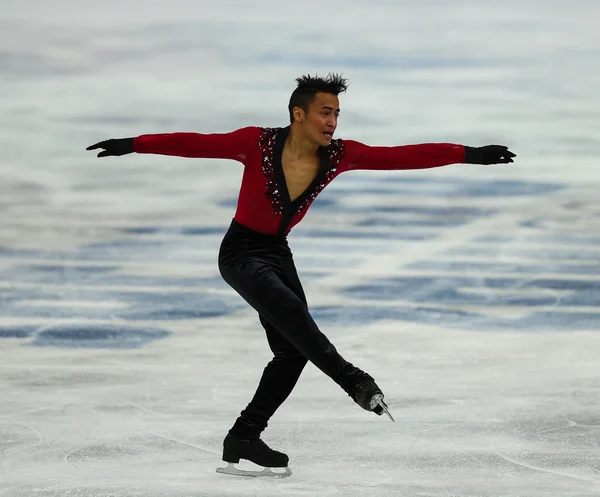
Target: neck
[299, 145]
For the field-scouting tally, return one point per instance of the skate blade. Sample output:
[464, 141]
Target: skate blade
[377, 400]
[385, 409]
[230, 469]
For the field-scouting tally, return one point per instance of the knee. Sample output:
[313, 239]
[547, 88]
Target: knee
[291, 358]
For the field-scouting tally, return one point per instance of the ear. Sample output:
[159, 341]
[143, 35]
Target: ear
[299, 114]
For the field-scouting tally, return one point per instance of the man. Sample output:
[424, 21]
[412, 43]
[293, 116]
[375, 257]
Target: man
[285, 170]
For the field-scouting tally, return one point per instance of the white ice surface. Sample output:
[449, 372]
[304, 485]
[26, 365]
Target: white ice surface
[471, 294]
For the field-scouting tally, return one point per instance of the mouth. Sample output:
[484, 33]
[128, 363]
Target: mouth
[328, 135]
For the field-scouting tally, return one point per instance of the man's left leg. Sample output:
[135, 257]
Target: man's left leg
[277, 382]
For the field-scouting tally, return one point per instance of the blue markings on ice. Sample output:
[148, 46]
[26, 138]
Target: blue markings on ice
[542, 282]
[403, 184]
[106, 283]
[451, 296]
[183, 230]
[97, 276]
[98, 336]
[458, 319]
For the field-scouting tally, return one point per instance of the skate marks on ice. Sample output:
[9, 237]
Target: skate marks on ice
[113, 348]
[473, 449]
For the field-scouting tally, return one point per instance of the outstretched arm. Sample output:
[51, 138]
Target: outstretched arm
[422, 156]
[234, 145]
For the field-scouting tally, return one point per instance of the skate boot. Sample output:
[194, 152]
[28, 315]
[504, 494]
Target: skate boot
[255, 451]
[369, 396]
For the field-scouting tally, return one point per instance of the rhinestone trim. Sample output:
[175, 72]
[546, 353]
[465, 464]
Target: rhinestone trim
[266, 144]
[336, 153]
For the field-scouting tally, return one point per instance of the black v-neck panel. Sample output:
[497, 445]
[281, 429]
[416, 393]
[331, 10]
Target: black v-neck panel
[280, 175]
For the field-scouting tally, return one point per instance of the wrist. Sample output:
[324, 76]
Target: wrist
[472, 155]
[127, 145]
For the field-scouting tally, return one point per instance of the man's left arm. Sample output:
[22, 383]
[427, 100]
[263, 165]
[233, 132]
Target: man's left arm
[422, 156]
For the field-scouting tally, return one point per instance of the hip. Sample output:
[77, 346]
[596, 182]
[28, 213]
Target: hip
[242, 245]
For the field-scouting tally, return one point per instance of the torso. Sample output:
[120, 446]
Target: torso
[277, 189]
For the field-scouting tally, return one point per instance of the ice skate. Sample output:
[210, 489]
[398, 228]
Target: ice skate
[369, 396]
[257, 452]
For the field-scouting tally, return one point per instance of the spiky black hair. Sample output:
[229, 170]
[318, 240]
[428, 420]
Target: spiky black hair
[309, 86]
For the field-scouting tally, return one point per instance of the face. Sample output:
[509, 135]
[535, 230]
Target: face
[320, 122]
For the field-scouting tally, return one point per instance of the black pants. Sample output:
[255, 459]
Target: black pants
[261, 269]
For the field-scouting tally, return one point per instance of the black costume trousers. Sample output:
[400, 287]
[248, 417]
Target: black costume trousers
[261, 269]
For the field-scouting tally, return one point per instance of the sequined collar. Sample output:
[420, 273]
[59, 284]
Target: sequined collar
[272, 141]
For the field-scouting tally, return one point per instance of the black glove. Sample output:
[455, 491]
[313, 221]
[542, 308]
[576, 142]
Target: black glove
[114, 146]
[490, 154]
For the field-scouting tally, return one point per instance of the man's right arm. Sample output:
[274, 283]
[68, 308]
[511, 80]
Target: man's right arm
[234, 145]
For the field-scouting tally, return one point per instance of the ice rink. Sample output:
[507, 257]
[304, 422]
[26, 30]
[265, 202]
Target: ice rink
[470, 293]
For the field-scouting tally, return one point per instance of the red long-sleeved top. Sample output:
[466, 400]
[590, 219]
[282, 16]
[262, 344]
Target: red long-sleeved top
[264, 204]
